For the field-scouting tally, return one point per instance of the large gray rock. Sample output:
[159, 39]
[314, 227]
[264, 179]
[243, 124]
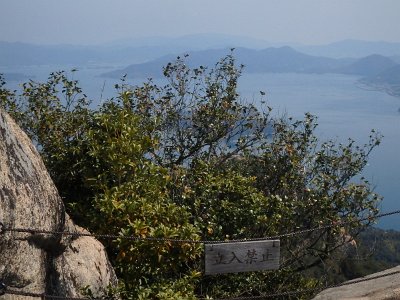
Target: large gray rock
[384, 288]
[40, 263]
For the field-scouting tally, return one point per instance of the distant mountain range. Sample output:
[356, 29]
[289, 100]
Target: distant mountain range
[195, 42]
[375, 62]
[377, 71]
[21, 54]
[138, 50]
[368, 66]
[269, 60]
[352, 48]
[117, 52]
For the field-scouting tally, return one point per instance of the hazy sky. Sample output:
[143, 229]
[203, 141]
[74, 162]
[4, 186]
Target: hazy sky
[299, 21]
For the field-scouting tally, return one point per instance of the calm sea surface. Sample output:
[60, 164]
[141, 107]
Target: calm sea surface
[343, 108]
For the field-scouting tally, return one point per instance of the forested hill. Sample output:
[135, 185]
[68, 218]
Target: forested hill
[270, 60]
[388, 80]
[377, 71]
[368, 66]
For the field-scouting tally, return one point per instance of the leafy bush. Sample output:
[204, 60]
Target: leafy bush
[190, 160]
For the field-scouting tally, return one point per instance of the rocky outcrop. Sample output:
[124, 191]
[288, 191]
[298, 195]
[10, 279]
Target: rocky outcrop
[41, 263]
[383, 288]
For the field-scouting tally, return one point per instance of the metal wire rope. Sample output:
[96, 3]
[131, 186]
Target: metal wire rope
[3, 229]
[38, 295]
[4, 290]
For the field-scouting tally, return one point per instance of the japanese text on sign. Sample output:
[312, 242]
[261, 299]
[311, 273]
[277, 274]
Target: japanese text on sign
[241, 257]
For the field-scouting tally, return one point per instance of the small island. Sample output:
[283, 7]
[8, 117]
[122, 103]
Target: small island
[387, 81]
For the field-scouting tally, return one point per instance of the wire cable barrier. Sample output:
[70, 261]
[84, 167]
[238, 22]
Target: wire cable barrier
[4, 289]
[4, 229]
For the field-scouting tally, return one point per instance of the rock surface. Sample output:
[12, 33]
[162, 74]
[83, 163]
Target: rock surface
[384, 288]
[40, 263]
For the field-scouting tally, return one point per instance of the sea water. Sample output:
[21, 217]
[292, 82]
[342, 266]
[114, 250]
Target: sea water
[344, 110]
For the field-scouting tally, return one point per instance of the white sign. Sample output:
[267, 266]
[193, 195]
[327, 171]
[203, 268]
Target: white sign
[237, 257]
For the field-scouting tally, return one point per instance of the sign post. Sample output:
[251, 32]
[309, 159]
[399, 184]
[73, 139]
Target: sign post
[237, 257]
